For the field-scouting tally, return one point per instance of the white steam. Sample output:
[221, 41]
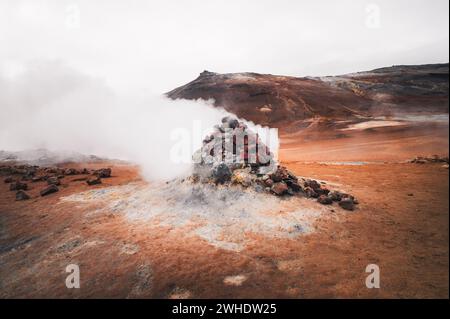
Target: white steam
[52, 106]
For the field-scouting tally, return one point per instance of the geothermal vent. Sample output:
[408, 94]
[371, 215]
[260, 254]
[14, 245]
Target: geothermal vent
[235, 155]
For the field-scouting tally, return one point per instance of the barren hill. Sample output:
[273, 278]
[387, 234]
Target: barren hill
[281, 101]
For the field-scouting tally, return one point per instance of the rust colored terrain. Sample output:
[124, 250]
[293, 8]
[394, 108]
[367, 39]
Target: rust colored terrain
[401, 225]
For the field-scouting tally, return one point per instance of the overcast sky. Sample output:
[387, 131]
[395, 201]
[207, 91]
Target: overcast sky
[155, 45]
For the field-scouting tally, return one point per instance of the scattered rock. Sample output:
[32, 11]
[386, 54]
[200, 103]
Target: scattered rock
[9, 179]
[94, 181]
[53, 180]
[221, 173]
[15, 186]
[335, 196]
[430, 159]
[309, 192]
[325, 200]
[71, 171]
[49, 190]
[279, 188]
[294, 186]
[269, 182]
[39, 179]
[347, 203]
[21, 195]
[103, 172]
[312, 184]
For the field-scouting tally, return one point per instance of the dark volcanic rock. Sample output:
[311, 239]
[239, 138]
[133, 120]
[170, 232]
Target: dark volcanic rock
[312, 184]
[71, 171]
[15, 186]
[49, 190]
[9, 180]
[293, 184]
[221, 173]
[335, 196]
[94, 181]
[268, 182]
[103, 172]
[21, 195]
[347, 204]
[309, 192]
[325, 200]
[53, 180]
[279, 188]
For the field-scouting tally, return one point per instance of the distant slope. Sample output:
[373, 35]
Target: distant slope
[281, 101]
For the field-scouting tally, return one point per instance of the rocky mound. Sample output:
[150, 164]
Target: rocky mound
[234, 155]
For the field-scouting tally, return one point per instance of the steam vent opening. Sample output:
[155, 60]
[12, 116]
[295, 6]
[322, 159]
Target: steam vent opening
[237, 190]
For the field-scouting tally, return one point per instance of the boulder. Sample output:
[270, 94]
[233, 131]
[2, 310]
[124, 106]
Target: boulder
[15, 186]
[21, 195]
[280, 174]
[221, 173]
[351, 197]
[9, 179]
[39, 179]
[312, 184]
[53, 180]
[309, 192]
[103, 172]
[268, 182]
[293, 184]
[279, 188]
[347, 203]
[322, 191]
[336, 196]
[94, 181]
[71, 171]
[324, 200]
[49, 190]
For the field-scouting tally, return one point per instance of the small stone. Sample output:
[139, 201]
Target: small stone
[9, 180]
[347, 203]
[259, 189]
[103, 172]
[279, 188]
[312, 184]
[94, 181]
[335, 196]
[221, 173]
[268, 182]
[53, 180]
[49, 190]
[71, 171]
[21, 195]
[325, 200]
[15, 186]
[294, 185]
[309, 192]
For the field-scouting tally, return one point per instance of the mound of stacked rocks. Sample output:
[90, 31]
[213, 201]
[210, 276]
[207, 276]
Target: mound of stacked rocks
[234, 154]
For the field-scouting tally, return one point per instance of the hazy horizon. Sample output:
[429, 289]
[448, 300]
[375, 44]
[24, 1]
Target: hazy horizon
[155, 46]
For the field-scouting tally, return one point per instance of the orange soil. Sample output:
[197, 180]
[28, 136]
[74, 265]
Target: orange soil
[401, 225]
